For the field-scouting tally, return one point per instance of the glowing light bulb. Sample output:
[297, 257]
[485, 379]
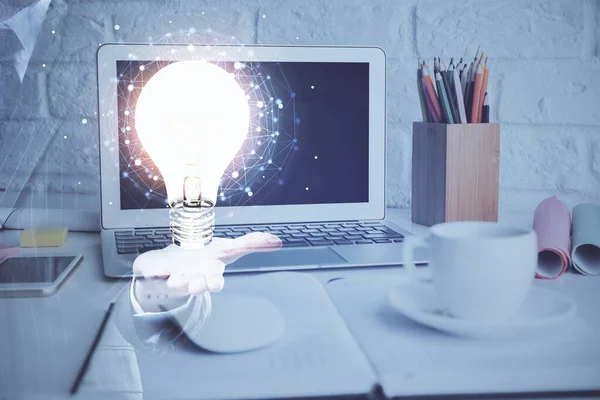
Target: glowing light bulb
[192, 117]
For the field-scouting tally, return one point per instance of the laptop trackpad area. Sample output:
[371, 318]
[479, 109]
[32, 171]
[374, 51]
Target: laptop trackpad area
[287, 259]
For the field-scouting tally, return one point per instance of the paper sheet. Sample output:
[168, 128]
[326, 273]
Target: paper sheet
[317, 355]
[552, 224]
[414, 360]
[586, 239]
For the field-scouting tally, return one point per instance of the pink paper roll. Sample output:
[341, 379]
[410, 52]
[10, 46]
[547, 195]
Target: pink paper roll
[552, 224]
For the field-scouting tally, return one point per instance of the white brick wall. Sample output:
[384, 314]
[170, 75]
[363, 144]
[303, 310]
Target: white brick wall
[545, 82]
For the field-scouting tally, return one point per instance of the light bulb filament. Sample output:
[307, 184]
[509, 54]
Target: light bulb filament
[192, 193]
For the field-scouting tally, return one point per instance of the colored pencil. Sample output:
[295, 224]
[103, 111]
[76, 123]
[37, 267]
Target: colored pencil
[469, 91]
[432, 79]
[442, 69]
[448, 89]
[483, 91]
[420, 90]
[463, 80]
[444, 98]
[486, 110]
[432, 94]
[456, 93]
[435, 117]
[459, 98]
[476, 95]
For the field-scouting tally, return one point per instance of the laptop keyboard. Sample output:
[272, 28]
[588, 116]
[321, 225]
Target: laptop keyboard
[293, 235]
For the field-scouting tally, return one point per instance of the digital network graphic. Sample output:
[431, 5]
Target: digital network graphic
[262, 158]
[307, 141]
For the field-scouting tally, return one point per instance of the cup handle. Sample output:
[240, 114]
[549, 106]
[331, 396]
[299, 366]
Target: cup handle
[409, 246]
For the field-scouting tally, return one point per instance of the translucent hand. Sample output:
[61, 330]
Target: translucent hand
[187, 271]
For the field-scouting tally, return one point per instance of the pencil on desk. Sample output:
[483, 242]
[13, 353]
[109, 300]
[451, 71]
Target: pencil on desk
[91, 350]
[476, 95]
[444, 98]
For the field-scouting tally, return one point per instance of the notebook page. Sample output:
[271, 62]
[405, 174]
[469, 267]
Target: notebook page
[316, 356]
[412, 359]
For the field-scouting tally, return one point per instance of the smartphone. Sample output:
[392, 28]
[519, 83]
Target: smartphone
[35, 275]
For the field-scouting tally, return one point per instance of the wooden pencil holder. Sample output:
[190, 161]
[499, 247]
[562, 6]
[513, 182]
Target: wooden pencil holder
[455, 172]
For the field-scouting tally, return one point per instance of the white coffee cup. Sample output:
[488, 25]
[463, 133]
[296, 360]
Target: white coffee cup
[480, 270]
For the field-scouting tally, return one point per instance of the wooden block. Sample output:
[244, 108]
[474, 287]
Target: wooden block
[455, 172]
[44, 236]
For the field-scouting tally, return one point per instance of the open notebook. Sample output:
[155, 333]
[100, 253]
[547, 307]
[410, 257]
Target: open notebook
[316, 356]
[347, 340]
[413, 360]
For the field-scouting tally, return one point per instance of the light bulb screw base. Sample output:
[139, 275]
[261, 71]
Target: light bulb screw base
[192, 226]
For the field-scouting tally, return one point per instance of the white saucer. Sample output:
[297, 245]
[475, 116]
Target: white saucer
[541, 309]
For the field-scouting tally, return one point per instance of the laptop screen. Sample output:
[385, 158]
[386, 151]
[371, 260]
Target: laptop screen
[308, 139]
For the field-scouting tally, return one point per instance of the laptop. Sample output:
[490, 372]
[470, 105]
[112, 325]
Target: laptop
[311, 171]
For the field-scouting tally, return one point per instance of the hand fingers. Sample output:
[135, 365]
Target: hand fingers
[250, 243]
[151, 264]
[215, 283]
[198, 279]
[178, 282]
[197, 286]
[198, 266]
[207, 283]
[198, 271]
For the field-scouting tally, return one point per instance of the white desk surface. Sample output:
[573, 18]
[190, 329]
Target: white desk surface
[56, 331]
